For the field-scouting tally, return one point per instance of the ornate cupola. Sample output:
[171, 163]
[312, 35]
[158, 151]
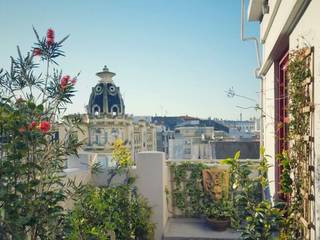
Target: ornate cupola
[105, 98]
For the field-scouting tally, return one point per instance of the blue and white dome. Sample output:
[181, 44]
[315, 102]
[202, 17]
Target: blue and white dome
[105, 98]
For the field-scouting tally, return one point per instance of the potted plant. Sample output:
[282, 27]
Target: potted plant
[218, 214]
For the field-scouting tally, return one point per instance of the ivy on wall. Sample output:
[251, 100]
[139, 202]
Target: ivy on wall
[188, 195]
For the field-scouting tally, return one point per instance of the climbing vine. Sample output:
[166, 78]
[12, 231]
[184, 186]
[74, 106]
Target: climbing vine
[188, 194]
[297, 164]
[285, 178]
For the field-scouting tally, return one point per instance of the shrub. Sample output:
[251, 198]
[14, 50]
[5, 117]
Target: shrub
[32, 185]
[117, 208]
[101, 210]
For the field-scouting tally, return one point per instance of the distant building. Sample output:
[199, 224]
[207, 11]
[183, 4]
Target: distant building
[163, 137]
[242, 128]
[174, 121]
[193, 141]
[177, 135]
[106, 121]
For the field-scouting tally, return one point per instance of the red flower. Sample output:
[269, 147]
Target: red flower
[64, 81]
[74, 81]
[50, 37]
[36, 52]
[50, 33]
[32, 125]
[22, 130]
[44, 126]
[50, 41]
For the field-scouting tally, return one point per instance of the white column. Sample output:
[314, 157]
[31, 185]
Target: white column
[151, 184]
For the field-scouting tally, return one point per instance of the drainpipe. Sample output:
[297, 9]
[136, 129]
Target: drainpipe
[258, 56]
[261, 106]
[251, 38]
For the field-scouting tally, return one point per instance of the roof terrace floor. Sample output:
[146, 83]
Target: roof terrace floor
[195, 228]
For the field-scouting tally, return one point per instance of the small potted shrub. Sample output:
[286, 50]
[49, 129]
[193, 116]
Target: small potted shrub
[219, 214]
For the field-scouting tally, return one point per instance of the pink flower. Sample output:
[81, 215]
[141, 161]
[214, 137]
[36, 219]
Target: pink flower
[74, 81]
[286, 120]
[50, 37]
[64, 81]
[44, 126]
[33, 123]
[36, 52]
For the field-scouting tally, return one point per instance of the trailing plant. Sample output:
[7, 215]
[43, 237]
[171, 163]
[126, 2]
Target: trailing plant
[188, 194]
[32, 185]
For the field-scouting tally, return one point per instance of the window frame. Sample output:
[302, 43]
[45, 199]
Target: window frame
[281, 114]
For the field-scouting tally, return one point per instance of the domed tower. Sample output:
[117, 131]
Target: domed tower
[105, 98]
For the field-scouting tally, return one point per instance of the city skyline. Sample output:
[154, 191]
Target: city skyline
[171, 58]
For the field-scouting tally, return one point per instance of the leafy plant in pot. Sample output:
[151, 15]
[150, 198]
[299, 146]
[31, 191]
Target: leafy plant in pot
[218, 214]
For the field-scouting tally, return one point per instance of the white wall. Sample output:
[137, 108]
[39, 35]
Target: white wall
[278, 25]
[309, 28]
[151, 183]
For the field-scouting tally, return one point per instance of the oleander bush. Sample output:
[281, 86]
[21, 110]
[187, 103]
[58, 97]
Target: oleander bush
[32, 186]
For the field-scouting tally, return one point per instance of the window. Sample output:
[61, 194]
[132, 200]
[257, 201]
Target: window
[98, 136]
[115, 110]
[187, 151]
[105, 136]
[97, 139]
[96, 110]
[281, 115]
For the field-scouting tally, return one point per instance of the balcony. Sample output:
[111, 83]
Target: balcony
[155, 181]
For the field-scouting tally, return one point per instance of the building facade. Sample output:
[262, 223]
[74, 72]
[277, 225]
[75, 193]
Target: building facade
[288, 28]
[106, 121]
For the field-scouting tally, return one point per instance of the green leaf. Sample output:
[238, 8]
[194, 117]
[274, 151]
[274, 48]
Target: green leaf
[262, 151]
[228, 161]
[237, 155]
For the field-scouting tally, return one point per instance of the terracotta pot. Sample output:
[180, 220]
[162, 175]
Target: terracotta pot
[219, 224]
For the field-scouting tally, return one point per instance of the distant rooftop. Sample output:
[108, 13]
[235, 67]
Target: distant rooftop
[174, 121]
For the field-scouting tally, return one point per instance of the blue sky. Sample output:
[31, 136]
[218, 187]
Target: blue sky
[172, 57]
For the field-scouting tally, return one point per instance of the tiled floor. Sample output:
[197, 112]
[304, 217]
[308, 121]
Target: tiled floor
[195, 228]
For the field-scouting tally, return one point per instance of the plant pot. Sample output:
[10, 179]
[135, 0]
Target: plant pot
[219, 224]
